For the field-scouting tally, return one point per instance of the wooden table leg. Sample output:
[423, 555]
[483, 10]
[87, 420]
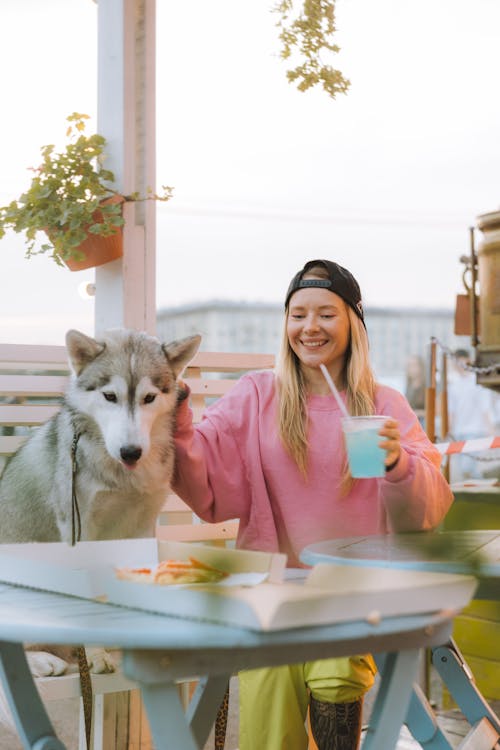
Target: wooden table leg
[171, 727]
[422, 724]
[455, 673]
[32, 722]
[458, 678]
[205, 704]
[166, 717]
[397, 674]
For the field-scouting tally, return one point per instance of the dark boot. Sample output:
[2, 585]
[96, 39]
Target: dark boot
[336, 726]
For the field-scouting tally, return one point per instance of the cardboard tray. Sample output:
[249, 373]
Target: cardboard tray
[329, 593]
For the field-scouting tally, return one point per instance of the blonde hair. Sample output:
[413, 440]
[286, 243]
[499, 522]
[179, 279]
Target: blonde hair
[292, 411]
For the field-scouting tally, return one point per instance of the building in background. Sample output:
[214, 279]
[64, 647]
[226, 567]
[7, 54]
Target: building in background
[395, 334]
[225, 326]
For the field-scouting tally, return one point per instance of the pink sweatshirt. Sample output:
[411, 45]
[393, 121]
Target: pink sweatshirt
[233, 465]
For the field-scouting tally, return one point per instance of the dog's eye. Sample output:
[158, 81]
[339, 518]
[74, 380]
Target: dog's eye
[149, 398]
[110, 396]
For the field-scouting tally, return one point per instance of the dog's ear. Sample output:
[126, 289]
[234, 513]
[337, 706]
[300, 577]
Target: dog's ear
[180, 353]
[82, 349]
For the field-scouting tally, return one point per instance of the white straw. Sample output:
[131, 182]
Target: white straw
[334, 390]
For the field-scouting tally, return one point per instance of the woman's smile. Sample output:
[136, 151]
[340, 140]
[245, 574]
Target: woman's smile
[313, 344]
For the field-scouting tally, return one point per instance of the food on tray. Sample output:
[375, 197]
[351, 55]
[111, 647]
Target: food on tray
[173, 571]
[142, 575]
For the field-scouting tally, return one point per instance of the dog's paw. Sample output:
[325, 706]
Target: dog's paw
[99, 661]
[43, 664]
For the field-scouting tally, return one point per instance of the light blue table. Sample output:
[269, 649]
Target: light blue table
[425, 551]
[159, 649]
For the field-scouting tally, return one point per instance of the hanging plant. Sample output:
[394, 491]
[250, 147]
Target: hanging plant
[71, 198]
[309, 33]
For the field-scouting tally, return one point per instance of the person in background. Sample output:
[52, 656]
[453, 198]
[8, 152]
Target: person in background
[471, 414]
[271, 453]
[415, 385]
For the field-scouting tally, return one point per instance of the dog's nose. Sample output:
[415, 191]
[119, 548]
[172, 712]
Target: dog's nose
[130, 454]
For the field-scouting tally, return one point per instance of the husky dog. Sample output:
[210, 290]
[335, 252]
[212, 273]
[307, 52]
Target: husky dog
[118, 413]
[100, 468]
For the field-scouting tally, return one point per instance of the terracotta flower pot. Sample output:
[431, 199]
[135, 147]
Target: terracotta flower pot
[97, 249]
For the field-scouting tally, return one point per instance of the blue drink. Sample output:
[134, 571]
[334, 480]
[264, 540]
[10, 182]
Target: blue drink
[361, 436]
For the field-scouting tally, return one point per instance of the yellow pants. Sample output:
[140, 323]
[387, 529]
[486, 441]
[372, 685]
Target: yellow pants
[274, 701]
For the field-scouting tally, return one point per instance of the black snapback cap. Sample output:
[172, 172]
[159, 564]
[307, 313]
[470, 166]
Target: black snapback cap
[340, 281]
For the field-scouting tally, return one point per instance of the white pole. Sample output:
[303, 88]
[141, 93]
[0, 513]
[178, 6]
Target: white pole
[126, 288]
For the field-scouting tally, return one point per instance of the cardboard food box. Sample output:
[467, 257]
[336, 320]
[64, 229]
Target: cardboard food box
[256, 595]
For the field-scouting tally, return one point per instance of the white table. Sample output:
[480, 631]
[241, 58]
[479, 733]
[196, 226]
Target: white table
[448, 551]
[159, 649]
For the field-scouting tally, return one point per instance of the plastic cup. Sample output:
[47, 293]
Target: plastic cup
[361, 437]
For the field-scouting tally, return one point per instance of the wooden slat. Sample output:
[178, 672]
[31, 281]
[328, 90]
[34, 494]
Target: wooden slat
[56, 688]
[55, 357]
[33, 385]
[42, 356]
[139, 736]
[484, 609]
[174, 503]
[209, 388]
[11, 443]
[55, 385]
[231, 362]
[485, 673]
[50, 354]
[26, 414]
[175, 517]
[197, 532]
[480, 638]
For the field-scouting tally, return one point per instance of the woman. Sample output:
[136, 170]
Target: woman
[271, 453]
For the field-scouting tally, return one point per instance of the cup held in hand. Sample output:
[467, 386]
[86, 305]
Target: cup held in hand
[361, 437]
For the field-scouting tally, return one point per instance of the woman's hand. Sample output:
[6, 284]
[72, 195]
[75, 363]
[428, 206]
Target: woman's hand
[182, 391]
[391, 444]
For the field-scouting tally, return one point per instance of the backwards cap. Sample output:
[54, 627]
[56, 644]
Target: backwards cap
[340, 281]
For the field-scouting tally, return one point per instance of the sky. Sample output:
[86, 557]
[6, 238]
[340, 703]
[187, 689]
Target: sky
[386, 180]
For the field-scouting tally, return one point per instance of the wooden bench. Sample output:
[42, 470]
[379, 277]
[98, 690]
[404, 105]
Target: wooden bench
[33, 380]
